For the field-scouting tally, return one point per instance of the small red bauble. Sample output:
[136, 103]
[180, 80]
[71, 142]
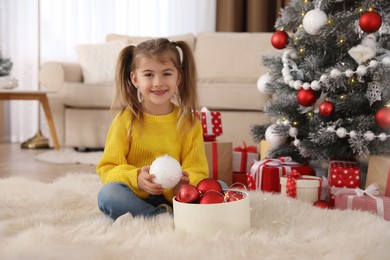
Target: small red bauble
[370, 22]
[382, 117]
[326, 108]
[323, 204]
[209, 184]
[232, 195]
[212, 197]
[306, 97]
[187, 194]
[279, 39]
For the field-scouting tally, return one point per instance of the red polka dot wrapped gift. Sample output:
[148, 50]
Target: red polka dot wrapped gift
[342, 174]
[211, 124]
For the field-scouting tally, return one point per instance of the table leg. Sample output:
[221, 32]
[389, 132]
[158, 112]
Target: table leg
[50, 122]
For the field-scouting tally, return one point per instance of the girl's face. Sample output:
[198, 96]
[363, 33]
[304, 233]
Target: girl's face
[157, 82]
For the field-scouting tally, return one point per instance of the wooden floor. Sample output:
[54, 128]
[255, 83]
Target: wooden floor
[15, 161]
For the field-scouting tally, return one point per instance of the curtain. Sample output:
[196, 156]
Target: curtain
[248, 15]
[19, 42]
[63, 24]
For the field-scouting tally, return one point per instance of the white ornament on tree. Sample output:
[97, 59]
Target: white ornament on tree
[262, 83]
[167, 171]
[314, 20]
[273, 138]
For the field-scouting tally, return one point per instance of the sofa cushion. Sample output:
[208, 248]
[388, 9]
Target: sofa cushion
[82, 95]
[231, 96]
[98, 61]
[231, 57]
[189, 38]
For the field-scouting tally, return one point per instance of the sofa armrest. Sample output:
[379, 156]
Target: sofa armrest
[53, 74]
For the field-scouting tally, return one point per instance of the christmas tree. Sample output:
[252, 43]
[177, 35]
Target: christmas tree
[329, 81]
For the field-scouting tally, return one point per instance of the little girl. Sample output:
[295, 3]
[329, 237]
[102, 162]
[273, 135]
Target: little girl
[156, 95]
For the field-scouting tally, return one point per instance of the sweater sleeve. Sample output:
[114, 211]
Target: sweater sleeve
[194, 160]
[113, 166]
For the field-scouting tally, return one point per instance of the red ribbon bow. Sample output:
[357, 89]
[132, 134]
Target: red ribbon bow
[248, 149]
[291, 185]
[244, 157]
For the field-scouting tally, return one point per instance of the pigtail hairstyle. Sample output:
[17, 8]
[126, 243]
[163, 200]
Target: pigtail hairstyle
[126, 92]
[187, 90]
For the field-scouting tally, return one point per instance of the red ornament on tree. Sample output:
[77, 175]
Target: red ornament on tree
[326, 108]
[279, 39]
[370, 22]
[307, 97]
[382, 117]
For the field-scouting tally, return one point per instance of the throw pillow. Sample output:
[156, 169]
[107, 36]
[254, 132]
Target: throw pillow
[98, 61]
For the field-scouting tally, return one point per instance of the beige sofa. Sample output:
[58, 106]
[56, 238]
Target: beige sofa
[229, 65]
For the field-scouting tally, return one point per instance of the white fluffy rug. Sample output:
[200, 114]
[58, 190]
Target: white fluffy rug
[60, 220]
[70, 156]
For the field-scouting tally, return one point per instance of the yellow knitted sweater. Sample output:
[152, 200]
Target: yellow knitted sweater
[122, 158]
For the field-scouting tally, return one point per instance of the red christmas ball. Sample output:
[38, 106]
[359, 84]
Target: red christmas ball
[209, 184]
[370, 22]
[382, 117]
[323, 204]
[187, 194]
[306, 97]
[212, 197]
[326, 108]
[232, 195]
[279, 39]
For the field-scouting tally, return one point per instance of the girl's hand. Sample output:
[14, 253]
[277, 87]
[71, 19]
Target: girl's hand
[145, 182]
[185, 179]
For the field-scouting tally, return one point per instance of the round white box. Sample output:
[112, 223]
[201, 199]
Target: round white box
[206, 219]
[308, 188]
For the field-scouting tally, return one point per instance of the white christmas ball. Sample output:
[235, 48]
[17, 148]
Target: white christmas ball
[335, 73]
[361, 70]
[273, 138]
[349, 73]
[262, 83]
[167, 171]
[382, 137]
[314, 20]
[369, 136]
[341, 132]
[386, 61]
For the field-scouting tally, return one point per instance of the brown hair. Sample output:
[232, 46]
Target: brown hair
[160, 49]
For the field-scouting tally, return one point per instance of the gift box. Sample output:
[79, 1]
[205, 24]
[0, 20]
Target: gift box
[301, 187]
[379, 172]
[219, 158]
[211, 124]
[264, 147]
[240, 178]
[342, 174]
[243, 158]
[265, 174]
[208, 219]
[364, 200]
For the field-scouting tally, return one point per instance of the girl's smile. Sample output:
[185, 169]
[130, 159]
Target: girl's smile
[157, 81]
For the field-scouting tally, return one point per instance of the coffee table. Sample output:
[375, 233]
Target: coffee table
[41, 96]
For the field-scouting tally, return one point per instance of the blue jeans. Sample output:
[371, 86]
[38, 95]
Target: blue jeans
[116, 199]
